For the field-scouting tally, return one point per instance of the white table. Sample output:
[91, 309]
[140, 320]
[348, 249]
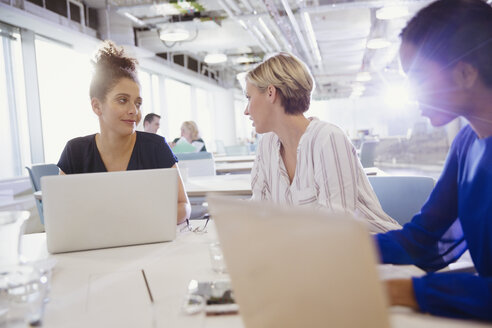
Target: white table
[105, 288]
[233, 167]
[235, 184]
[235, 159]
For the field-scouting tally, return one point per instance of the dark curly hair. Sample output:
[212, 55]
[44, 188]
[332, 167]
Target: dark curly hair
[449, 31]
[111, 65]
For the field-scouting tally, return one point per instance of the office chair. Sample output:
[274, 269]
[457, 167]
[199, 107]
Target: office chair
[368, 152]
[402, 197]
[35, 173]
[197, 164]
[220, 147]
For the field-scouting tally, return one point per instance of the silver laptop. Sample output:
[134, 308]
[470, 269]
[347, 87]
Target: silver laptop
[299, 268]
[99, 210]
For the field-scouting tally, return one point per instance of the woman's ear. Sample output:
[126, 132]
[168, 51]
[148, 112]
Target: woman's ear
[96, 106]
[465, 75]
[271, 93]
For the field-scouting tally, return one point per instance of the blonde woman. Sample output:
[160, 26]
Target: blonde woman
[190, 133]
[303, 161]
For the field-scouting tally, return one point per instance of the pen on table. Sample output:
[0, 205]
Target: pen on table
[148, 288]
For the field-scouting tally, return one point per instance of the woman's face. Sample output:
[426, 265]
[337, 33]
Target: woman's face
[439, 96]
[120, 110]
[258, 108]
[186, 133]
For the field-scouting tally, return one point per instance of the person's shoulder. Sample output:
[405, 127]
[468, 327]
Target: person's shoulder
[465, 136]
[466, 132]
[150, 138]
[324, 130]
[81, 141]
[328, 127]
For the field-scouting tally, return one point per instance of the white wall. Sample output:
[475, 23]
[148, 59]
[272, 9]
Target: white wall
[371, 113]
[225, 128]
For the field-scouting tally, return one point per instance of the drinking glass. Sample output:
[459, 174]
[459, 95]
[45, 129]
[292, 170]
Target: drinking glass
[217, 258]
[23, 291]
[11, 231]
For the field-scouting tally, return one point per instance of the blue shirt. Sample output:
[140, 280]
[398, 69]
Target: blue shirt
[150, 151]
[457, 216]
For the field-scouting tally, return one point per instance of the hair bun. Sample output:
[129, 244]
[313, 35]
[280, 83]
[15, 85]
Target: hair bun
[109, 55]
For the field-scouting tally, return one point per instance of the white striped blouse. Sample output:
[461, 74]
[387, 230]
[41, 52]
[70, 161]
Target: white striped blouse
[328, 174]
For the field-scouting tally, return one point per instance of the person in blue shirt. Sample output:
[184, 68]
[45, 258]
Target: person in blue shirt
[115, 99]
[446, 53]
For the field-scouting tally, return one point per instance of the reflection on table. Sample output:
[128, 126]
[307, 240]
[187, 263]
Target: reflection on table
[234, 184]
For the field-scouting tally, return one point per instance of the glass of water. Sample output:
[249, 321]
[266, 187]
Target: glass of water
[23, 291]
[11, 230]
[217, 258]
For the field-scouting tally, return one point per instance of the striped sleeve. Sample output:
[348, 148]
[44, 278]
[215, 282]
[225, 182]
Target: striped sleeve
[336, 172]
[259, 185]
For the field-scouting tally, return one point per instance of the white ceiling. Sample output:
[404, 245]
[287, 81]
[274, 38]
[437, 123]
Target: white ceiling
[259, 27]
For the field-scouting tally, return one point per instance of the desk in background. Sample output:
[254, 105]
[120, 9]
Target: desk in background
[235, 184]
[233, 167]
[105, 288]
[235, 159]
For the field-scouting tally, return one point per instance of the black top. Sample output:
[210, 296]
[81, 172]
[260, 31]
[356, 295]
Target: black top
[199, 140]
[81, 155]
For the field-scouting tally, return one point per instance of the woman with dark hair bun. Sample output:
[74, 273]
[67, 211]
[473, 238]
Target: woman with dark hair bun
[115, 99]
[446, 53]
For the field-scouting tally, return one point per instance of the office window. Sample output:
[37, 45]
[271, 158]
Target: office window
[204, 117]
[64, 77]
[178, 100]
[146, 94]
[244, 127]
[149, 91]
[14, 145]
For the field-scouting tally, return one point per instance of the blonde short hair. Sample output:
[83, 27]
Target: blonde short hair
[290, 76]
[192, 127]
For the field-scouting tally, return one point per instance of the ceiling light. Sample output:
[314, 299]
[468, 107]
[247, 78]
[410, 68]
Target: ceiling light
[244, 60]
[215, 58]
[174, 34]
[378, 43]
[363, 77]
[392, 12]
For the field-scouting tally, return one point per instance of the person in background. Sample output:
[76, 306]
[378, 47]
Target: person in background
[190, 133]
[301, 161]
[446, 53]
[115, 99]
[152, 123]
